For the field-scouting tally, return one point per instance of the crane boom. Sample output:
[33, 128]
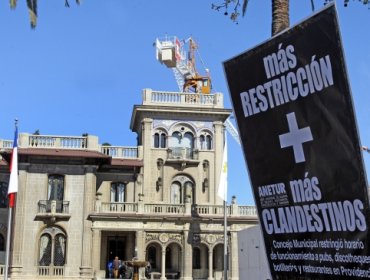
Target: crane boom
[172, 52]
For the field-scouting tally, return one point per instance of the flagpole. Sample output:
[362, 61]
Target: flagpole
[222, 193]
[13, 182]
[8, 243]
[225, 241]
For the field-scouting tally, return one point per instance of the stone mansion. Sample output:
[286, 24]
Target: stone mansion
[81, 203]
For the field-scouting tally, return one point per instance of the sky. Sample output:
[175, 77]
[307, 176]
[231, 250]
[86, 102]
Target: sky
[84, 68]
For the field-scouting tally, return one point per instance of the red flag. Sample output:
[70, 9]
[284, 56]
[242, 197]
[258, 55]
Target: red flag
[13, 181]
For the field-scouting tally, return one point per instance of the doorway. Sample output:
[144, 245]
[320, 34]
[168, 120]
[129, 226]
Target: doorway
[116, 247]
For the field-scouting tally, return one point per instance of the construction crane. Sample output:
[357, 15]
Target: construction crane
[179, 55]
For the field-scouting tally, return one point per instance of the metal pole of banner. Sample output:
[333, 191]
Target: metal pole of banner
[7, 255]
[225, 241]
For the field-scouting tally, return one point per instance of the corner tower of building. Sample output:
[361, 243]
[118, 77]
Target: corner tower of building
[182, 136]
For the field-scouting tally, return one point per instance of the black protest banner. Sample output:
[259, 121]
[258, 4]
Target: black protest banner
[294, 111]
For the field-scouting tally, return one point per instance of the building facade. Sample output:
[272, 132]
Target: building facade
[81, 203]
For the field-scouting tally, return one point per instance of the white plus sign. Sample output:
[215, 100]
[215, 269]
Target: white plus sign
[295, 138]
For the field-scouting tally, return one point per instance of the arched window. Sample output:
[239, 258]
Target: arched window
[188, 141]
[202, 141]
[59, 249]
[152, 256]
[117, 192]
[3, 195]
[56, 187]
[208, 142]
[163, 140]
[160, 140]
[205, 141]
[182, 187]
[45, 250]
[168, 258]
[196, 258]
[189, 191]
[52, 247]
[176, 139]
[156, 140]
[176, 193]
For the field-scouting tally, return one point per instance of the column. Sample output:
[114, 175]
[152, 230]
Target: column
[148, 174]
[203, 257]
[233, 258]
[188, 257]
[163, 267]
[139, 245]
[96, 251]
[19, 234]
[218, 143]
[88, 196]
[210, 264]
[130, 246]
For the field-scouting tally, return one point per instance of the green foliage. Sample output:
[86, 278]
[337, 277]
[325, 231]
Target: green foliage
[106, 144]
[236, 7]
[32, 9]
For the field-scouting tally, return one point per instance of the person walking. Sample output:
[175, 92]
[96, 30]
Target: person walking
[116, 265]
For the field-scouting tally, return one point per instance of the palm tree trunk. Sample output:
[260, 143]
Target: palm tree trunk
[280, 16]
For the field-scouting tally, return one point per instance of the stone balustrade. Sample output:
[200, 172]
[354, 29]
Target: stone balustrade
[178, 99]
[169, 209]
[120, 151]
[164, 208]
[116, 207]
[53, 206]
[62, 142]
[89, 142]
[182, 153]
[6, 144]
[247, 210]
[211, 209]
[54, 271]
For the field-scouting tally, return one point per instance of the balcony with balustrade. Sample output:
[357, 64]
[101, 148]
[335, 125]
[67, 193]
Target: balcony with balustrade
[51, 271]
[163, 210]
[181, 99]
[53, 211]
[182, 156]
[81, 143]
